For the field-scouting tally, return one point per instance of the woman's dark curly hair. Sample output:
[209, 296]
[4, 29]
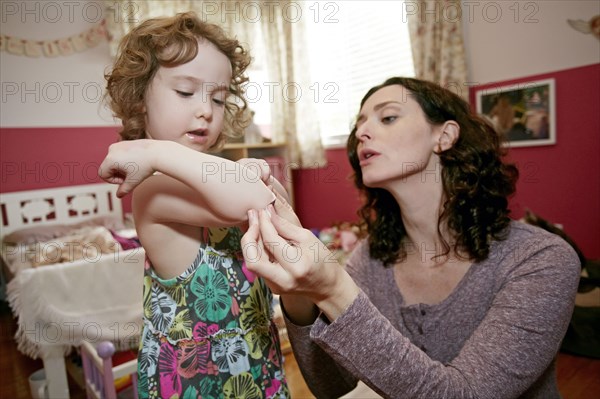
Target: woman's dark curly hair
[169, 42]
[476, 182]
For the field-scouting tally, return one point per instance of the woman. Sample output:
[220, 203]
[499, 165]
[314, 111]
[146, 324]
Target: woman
[446, 297]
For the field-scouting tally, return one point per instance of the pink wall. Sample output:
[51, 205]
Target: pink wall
[35, 158]
[562, 182]
[327, 195]
[559, 182]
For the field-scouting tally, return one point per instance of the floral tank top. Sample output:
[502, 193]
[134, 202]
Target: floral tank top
[209, 333]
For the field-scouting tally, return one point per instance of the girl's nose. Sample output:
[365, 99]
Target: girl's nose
[203, 109]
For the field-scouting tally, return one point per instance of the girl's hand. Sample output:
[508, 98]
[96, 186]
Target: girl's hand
[127, 164]
[294, 262]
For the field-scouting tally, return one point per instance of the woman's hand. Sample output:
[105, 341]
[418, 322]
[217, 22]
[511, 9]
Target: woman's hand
[127, 164]
[294, 262]
[284, 210]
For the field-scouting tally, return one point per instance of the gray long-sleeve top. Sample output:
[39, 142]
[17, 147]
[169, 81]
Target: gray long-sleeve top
[495, 336]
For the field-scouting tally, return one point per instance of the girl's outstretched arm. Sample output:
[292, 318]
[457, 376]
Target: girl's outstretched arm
[192, 188]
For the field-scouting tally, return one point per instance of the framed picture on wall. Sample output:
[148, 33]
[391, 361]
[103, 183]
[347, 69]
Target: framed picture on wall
[524, 113]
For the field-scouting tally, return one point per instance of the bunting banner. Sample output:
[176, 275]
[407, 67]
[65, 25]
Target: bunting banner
[54, 48]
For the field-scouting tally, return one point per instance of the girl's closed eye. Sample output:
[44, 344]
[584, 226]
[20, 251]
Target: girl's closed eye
[219, 101]
[184, 93]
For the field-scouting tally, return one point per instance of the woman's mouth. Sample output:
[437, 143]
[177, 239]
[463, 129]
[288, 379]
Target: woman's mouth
[365, 155]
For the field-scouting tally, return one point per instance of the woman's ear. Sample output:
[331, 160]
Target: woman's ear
[450, 131]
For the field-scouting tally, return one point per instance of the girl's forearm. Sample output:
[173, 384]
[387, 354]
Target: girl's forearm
[228, 187]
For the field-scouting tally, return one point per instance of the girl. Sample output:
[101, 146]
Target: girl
[208, 331]
[447, 297]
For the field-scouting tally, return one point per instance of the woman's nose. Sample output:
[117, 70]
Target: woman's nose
[362, 132]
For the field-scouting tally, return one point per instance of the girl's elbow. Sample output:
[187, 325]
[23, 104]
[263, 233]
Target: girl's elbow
[263, 199]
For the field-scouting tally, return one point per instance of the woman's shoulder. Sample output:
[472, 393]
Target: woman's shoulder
[523, 234]
[522, 242]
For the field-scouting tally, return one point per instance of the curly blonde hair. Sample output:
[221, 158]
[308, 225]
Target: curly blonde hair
[143, 50]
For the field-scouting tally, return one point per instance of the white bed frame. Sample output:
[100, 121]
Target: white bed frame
[63, 205]
[68, 205]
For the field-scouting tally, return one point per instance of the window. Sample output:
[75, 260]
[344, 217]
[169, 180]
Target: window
[354, 45]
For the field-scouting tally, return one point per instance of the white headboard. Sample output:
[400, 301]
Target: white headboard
[63, 205]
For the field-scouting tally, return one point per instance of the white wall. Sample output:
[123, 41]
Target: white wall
[511, 39]
[61, 91]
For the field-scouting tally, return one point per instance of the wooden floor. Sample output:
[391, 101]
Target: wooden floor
[578, 377]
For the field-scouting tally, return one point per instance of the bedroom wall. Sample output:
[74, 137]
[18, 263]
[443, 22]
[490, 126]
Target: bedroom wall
[52, 91]
[533, 40]
[54, 129]
[35, 158]
[561, 182]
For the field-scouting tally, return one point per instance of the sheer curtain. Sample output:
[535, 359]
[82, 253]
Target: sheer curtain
[437, 43]
[292, 110]
[281, 28]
